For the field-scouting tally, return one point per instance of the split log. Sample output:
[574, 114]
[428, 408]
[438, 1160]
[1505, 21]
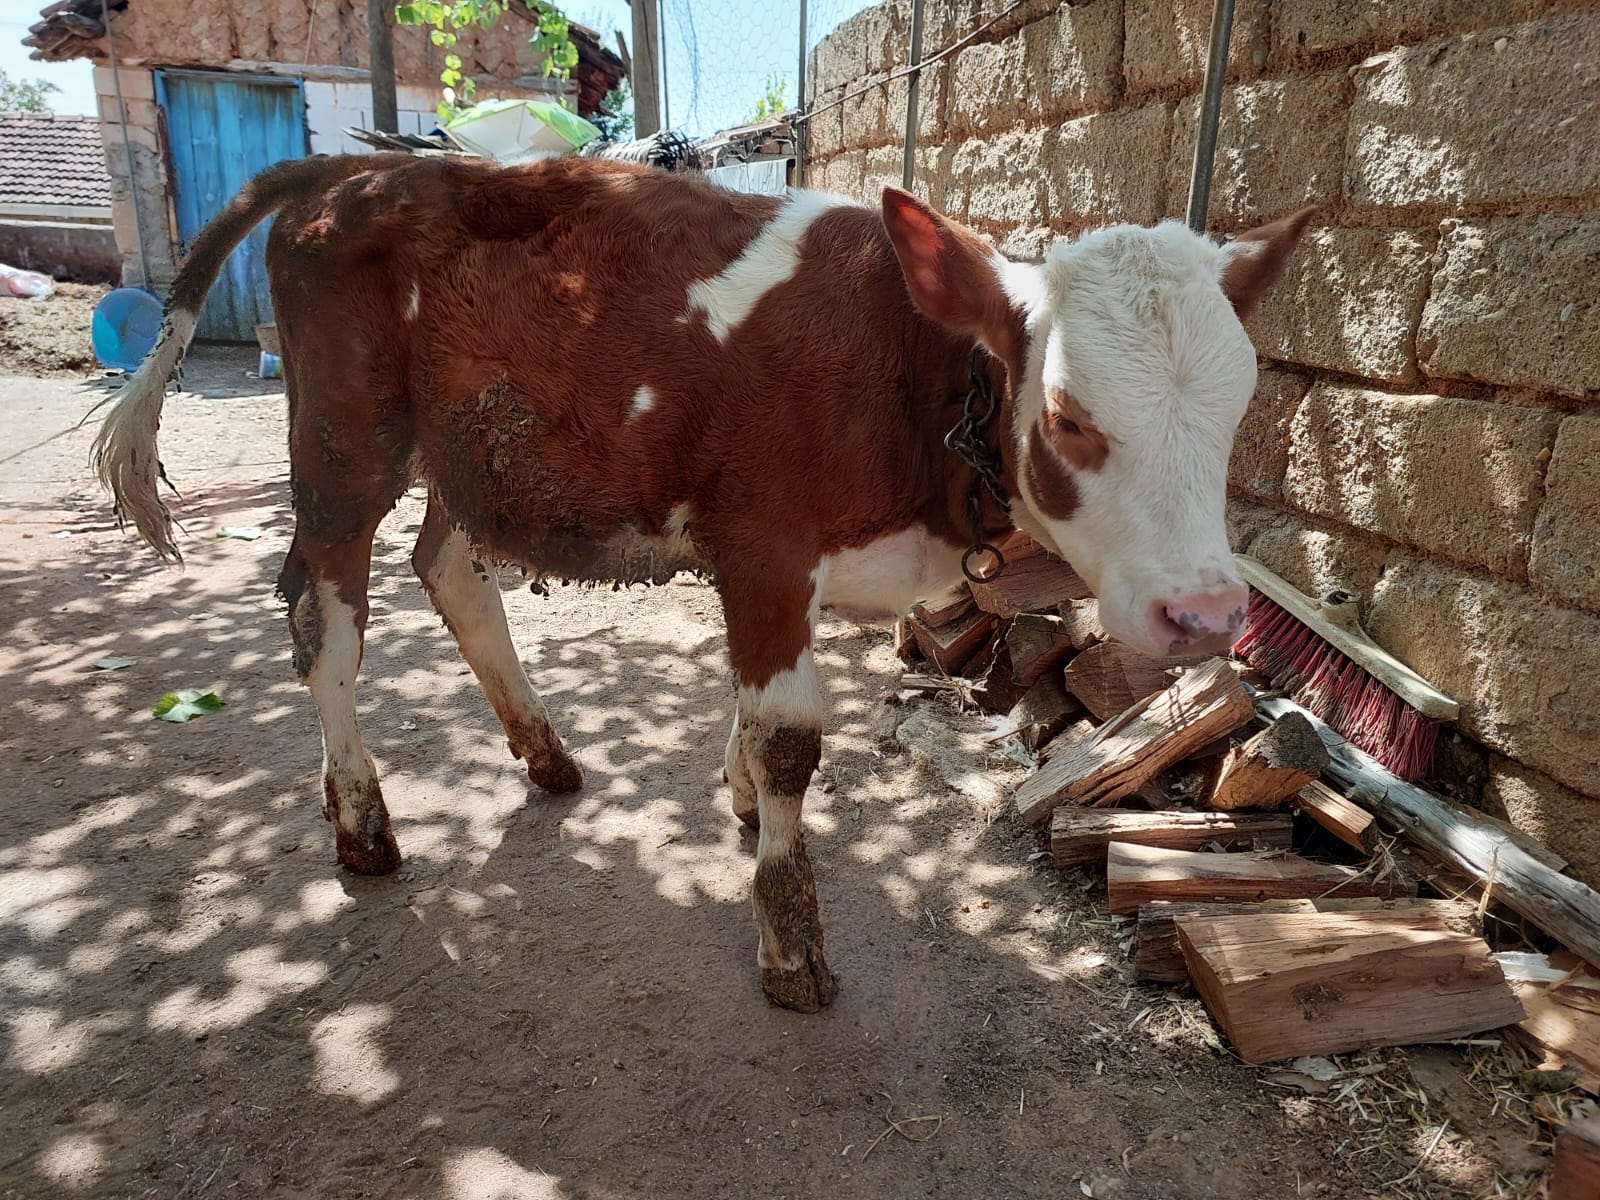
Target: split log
[1563, 1011]
[1346, 820]
[938, 613]
[1474, 846]
[1270, 767]
[1034, 581]
[1158, 958]
[1079, 836]
[1149, 737]
[1081, 620]
[1076, 733]
[1575, 1173]
[905, 642]
[1287, 984]
[998, 691]
[1137, 874]
[1108, 677]
[1036, 643]
[1044, 711]
[950, 647]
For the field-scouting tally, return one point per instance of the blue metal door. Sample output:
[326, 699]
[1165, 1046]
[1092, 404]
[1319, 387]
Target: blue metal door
[221, 131]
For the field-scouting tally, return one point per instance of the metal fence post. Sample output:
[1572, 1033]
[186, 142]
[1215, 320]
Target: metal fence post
[913, 96]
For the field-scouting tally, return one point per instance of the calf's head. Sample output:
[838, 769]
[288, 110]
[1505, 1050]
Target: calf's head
[1128, 370]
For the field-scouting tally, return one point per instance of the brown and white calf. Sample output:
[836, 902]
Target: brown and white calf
[604, 372]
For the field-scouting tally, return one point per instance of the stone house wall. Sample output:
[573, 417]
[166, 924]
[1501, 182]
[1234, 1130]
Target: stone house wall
[1427, 426]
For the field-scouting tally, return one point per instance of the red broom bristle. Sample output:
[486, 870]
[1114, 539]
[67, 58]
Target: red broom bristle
[1364, 712]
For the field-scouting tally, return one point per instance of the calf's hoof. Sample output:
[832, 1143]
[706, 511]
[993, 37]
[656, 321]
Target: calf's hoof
[376, 854]
[803, 989]
[560, 775]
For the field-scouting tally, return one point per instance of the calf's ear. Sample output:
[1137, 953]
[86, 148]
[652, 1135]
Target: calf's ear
[951, 273]
[1256, 259]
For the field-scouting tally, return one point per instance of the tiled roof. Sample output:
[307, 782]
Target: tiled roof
[45, 159]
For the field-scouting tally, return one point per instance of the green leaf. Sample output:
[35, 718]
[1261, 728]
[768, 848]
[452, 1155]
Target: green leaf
[243, 533]
[453, 61]
[185, 705]
[406, 14]
[437, 36]
[113, 662]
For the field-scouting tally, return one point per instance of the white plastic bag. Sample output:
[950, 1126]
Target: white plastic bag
[28, 285]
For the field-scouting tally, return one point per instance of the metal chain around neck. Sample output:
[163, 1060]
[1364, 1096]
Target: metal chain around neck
[968, 443]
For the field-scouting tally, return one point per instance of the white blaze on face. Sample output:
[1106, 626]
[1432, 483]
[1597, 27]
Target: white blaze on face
[1131, 323]
[768, 262]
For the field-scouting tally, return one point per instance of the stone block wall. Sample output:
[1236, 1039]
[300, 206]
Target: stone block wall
[1427, 426]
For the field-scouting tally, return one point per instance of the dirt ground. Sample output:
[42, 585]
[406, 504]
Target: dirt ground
[49, 336]
[557, 998]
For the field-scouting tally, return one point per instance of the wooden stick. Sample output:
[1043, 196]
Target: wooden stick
[1158, 958]
[1563, 907]
[1347, 821]
[1138, 874]
[1206, 703]
[1079, 836]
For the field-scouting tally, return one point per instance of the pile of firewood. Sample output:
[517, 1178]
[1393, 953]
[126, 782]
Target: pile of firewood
[1171, 780]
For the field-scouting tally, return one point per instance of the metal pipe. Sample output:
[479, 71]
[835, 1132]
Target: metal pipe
[1205, 145]
[797, 131]
[908, 164]
[127, 143]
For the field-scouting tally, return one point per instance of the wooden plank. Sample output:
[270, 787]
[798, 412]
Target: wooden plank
[1138, 874]
[1206, 703]
[1286, 984]
[1575, 1173]
[1158, 958]
[1563, 1006]
[1269, 768]
[1110, 676]
[950, 647]
[1034, 581]
[1079, 836]
[1472, 845]
[1346, 820]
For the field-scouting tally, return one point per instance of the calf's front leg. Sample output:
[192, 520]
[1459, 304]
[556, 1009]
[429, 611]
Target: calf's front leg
[779, 741]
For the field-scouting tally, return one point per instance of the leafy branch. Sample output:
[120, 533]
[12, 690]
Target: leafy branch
[552, 38]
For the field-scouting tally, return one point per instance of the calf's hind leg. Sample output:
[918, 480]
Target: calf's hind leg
[465, 593]
[325, 583]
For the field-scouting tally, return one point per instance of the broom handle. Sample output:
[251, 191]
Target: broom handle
[1351, 642]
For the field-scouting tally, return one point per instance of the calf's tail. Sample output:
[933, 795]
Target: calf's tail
[124, 452]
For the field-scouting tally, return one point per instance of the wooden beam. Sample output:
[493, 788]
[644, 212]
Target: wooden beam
[1158, 958]
[380, 61]
[1269, 768]
[1472, 845]
[1287, 984]
[1205, 704]
[1136, 875]
[644, 80]
[1079, 836]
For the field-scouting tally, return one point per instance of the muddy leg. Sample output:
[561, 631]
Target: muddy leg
[736, 773]
[780, 741]
[467, 596]
[326, 587]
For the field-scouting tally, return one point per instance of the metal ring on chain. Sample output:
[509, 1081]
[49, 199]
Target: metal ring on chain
[982, 548]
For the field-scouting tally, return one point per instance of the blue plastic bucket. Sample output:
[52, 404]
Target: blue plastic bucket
[125, 327]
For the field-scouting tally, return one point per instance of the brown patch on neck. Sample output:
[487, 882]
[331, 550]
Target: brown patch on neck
[1050, 484]
[1068, 427]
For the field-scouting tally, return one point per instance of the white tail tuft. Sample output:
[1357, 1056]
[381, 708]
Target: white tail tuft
[125, 449]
